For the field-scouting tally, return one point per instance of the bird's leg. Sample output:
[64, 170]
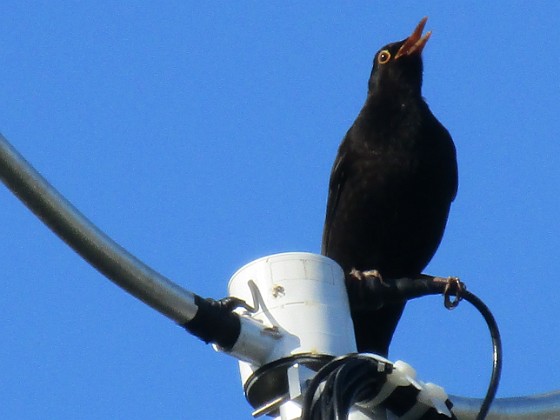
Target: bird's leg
[371, 274]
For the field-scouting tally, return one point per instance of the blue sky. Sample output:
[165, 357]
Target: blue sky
[201, 137]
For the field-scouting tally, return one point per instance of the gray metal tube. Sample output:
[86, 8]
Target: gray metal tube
[87, 240]
[531, 407]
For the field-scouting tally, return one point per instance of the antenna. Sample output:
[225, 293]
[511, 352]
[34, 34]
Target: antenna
[290, 367]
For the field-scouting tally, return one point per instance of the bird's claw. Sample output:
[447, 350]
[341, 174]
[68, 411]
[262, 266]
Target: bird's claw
[368, 274]
[452, 291]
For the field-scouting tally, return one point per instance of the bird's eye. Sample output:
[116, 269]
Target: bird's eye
[383, 57]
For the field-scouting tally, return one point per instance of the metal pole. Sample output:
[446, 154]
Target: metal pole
[531, 407]
[87, 240]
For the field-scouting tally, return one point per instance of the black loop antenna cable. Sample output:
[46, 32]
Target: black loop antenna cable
[452, 287]
[496, 352]
[380, 292]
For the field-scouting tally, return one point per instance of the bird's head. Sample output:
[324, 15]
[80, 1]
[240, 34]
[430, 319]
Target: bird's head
[398, 66]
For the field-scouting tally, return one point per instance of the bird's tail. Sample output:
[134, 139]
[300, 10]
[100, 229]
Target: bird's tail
[374, 328]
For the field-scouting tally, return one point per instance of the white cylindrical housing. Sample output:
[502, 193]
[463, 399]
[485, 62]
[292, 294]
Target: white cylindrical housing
[303, 296]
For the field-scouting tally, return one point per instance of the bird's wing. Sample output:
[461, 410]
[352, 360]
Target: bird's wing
[448, 158]
[336, 185]
[454, 170]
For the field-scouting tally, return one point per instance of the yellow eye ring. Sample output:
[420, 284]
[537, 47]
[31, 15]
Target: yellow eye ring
[383, 57]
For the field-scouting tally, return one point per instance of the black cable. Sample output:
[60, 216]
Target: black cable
[355, 377]
[215, 322]
[347, 380]
[496, 352]
[452, 286]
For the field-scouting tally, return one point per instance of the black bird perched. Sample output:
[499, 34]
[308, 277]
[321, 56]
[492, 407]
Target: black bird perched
[391, 187]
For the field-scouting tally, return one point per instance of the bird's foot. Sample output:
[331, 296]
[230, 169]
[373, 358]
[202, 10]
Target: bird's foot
[368, 274]
[453, 289]
[366, 289]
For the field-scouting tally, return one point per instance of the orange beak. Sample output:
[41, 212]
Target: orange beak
[415, 43]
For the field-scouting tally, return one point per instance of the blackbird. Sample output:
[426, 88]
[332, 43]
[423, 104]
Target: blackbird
[390, 190]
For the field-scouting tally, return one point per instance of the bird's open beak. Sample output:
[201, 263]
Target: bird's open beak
[415, 43]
